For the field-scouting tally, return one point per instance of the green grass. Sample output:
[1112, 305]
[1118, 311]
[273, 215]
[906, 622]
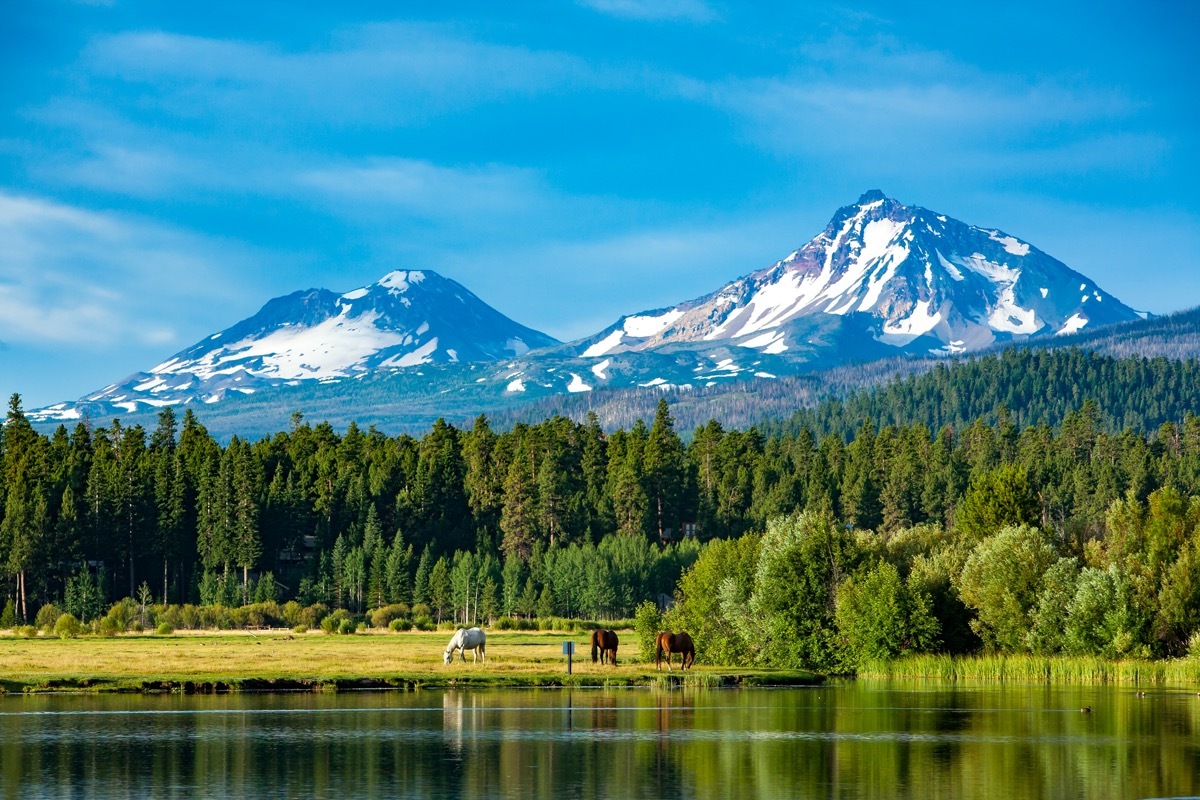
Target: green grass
[283, 661]
[1036, 669]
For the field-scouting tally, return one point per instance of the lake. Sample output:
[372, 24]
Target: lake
[850, 739]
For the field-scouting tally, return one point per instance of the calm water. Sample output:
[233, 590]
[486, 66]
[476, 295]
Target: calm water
[849, 740]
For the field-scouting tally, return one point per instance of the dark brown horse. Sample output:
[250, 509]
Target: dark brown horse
[674, 643]
[604, 644]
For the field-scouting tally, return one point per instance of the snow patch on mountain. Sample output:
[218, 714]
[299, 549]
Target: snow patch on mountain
[1075, 323]
[406, 319]
[897, 275]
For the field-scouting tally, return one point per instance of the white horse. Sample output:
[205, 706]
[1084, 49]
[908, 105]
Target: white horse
[473, 639]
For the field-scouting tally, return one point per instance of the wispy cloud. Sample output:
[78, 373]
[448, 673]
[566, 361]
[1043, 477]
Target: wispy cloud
[389, 74]
[655, 10]
[426, 190]
[873, 104]
[92, 280]
[584, 282]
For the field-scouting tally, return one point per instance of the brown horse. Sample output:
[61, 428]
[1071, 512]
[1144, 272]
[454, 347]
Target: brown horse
[604, 643]
[674, 643]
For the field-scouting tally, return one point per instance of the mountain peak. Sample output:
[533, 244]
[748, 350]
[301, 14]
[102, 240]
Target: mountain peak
[881, 277]
[317, 335]
[399, 281]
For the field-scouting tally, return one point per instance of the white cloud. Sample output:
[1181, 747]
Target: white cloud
[655, 10]
[429, 191]
[388, 74]
[94, 279]
[871, 105]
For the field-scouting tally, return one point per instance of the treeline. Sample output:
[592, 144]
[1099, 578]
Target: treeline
[1030, 386]
[555, 518]
[815, 594]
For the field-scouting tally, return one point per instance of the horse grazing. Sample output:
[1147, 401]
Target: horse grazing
[604, 644]
[674, 643]
[473, 639]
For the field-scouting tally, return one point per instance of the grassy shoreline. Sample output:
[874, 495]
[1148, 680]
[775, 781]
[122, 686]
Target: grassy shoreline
[1024, 668]
[279, 661]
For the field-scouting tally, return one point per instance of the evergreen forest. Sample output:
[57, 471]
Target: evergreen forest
[1004, 533]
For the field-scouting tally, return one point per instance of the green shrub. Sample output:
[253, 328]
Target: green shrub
[290, 612]
[190, 616]
[164, 629]
[384, 616]
[300, 629]
[332, 623]
[137, 627]
[647, 624]
[506, 624]
[527, 625]
[238, 618]
[424, 623]
[347, 626]
[47, 615]
[123, 613]
[400, 625]
[172, 616]
[67, 626]
[28, 631]
[110, 626]
[312, 615]
[422, 610]
[8, 617]
[1193, 646]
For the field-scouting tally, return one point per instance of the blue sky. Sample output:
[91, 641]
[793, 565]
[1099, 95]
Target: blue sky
[166, 170]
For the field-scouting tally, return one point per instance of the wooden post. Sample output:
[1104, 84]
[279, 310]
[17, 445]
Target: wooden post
[568, 651]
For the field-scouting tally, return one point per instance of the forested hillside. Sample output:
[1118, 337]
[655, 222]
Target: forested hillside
[766, 402]
[1030, 387]
[556, 518]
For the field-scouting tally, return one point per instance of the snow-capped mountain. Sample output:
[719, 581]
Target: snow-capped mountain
[404, 320]
[881, 273]
[882, 279]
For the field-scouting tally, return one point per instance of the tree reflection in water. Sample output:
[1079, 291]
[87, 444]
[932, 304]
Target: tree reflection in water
[846, 740]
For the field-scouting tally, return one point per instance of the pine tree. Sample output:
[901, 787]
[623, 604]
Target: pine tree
[665, 470]
[396, 579]
[421, 580]
[518, 518]
[25, 514]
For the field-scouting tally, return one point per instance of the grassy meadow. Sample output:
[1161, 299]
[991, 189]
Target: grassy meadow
[282, 661]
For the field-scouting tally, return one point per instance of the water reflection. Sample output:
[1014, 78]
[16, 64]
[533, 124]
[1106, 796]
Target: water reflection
[850, 740]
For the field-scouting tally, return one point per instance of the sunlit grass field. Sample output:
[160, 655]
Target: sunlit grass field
[315, 660]
[1026, 668]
